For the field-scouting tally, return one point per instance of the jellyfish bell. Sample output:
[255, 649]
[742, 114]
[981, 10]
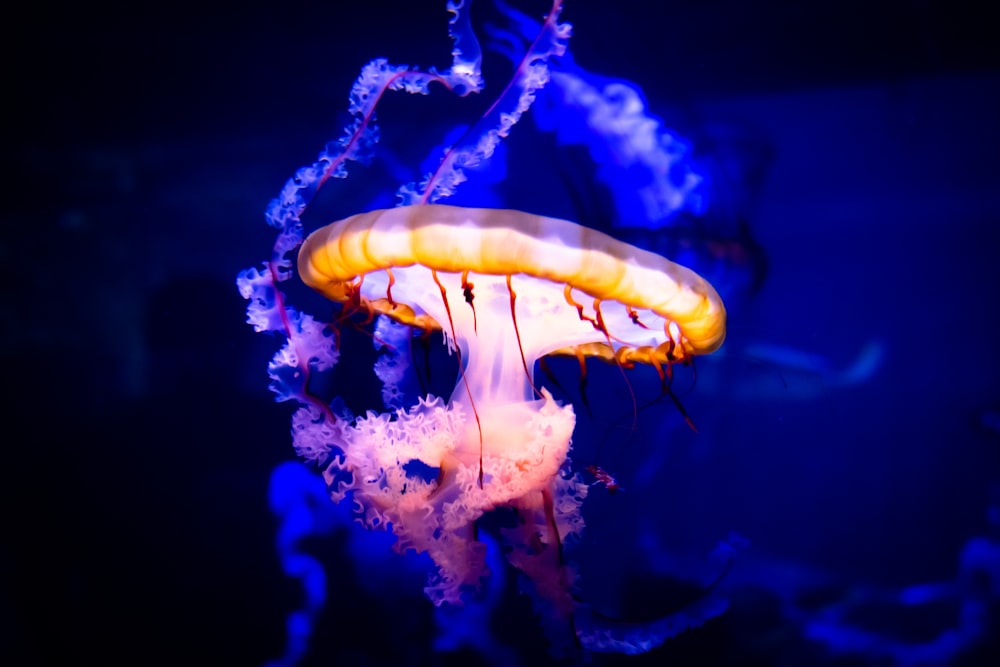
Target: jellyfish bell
[505, 288]
[503, 280]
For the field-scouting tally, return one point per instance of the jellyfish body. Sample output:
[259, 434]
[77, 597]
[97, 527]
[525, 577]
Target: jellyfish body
[505, 288]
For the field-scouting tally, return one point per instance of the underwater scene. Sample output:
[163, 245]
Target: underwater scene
[502, 332]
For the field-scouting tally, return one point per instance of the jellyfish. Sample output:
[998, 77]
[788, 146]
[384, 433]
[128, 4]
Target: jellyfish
[503, 288]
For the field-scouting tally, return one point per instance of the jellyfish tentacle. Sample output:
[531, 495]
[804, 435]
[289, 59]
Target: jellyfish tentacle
[447, 307]
[517, 334]
[531, 73]
[557, 545]
[352, 303]
[599, 320]
[634, 316]
[616, 356]
[658, 367]
[467, 288]
[461, 369]
[467, 55]
[668, 349]
[543, 364]
[602, 635]
[568, 293]
[582, 360]
[388, 288]
[355, 303]
[667, 389]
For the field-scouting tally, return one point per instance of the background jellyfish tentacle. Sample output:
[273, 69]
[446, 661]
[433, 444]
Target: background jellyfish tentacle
[500, 441]
[647, 167]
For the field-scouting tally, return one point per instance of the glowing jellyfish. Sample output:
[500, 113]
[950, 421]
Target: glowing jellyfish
[506, 288]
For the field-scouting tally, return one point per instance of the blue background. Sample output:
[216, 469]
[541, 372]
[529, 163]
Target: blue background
[855, 141]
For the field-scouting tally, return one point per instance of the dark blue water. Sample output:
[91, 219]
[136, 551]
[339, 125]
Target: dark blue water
[847, 430]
